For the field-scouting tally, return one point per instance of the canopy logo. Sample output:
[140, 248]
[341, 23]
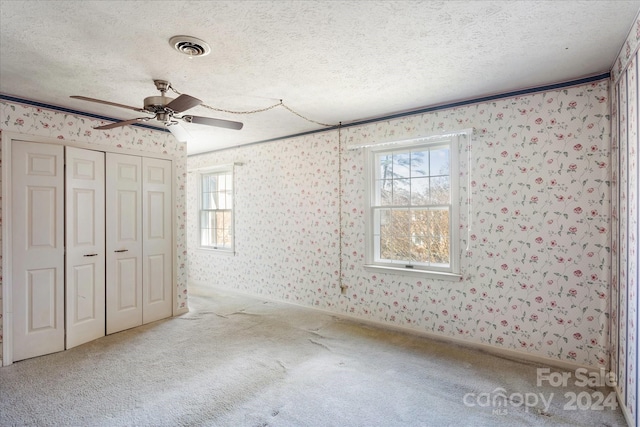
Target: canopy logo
[499, 401]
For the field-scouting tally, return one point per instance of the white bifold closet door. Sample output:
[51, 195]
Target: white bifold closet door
[117, 226]
[37, 249]
[85, 239]
[124, 242]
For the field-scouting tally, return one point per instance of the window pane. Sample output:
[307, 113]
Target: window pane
[206, 187]
[220, 217]
[207, 220]
[385, 167]
[225, 240]
[419, 191]
[439, 161]
[420, 223]
[440, 246]
[226, 182]
[227, 220]
[401, 165]
[213, 182]
[440, 190]
[382, 222]
[208, 191]
[384, 192]
[420, 236]
[394, 235]
[401, 192]
[223, 200]
[419, 164]
[209, 201]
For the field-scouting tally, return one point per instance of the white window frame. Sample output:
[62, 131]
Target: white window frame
[226, 169]
[452, 272]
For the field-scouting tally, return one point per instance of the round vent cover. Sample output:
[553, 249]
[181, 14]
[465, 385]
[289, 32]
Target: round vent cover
[190, 46]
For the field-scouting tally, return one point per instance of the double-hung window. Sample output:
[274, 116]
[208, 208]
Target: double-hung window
[413, 207]
[216, 209]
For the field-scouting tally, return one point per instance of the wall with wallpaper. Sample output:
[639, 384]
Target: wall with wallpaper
[537, 266]
[625, 105]
[29, 120]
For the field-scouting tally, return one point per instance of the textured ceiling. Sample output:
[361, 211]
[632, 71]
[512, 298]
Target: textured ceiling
[331, 61]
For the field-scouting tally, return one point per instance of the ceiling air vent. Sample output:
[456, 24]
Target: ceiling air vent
[190, 46]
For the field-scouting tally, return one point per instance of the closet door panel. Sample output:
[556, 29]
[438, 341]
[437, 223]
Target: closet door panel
[124, 242]
[85, 239]
[37, 248]
[157, 240]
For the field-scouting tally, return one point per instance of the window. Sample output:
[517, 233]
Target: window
[413, 207]
[216, 209]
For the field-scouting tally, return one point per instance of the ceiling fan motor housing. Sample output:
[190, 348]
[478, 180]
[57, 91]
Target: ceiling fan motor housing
[156, 104]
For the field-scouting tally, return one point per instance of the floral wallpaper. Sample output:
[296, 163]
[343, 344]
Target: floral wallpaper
[536, 266]
[286, 221]
[29, 120]
[624, 295]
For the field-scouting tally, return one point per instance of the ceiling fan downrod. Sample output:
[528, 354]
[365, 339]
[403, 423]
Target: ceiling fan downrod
[162, 85]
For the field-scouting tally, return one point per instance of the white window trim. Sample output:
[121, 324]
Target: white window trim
[453, 272]
[217, 169]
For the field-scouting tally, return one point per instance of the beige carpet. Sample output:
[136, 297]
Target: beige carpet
[237, 361]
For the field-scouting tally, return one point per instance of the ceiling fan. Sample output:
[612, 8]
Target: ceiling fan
[166, 110]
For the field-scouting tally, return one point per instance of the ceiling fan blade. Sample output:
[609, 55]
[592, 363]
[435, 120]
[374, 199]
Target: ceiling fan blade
[183, 103]
[84, 98]
[123, 123]
[208, 121]
[179, 132]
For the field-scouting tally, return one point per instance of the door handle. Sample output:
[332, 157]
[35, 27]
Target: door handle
[91, 255]
[122, 250]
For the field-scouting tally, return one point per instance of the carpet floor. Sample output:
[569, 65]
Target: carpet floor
[235, 360]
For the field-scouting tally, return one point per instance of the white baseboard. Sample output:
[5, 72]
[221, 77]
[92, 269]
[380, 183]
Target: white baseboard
[180, 311]
[502, 352]
[487, 348]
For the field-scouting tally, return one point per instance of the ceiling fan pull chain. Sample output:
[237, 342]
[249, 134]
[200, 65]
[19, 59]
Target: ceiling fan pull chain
[242, 112]
[306, 118]
[260, 110]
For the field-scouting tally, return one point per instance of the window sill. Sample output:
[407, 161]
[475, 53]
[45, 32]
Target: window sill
[224, 252]
[415, 273]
